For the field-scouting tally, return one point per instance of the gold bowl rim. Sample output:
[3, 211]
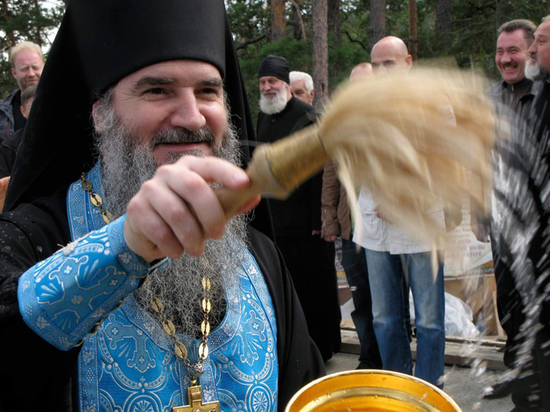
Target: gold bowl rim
[379, 373]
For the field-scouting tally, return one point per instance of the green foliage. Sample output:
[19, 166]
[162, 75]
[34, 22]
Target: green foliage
[342, 59]
[472, 35]
[249, 19]
[354, 23]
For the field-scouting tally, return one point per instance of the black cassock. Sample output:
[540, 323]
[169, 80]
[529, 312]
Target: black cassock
[309, 259]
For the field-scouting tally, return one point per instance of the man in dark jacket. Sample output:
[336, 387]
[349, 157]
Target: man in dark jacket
[297, 220]
[157, 299]
[511, 57]
[520, 230]
[8, 148]
[511, 94]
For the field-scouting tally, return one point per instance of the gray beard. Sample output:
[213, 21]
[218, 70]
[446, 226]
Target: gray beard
[534, 71]
[125, 166]
[274, 105]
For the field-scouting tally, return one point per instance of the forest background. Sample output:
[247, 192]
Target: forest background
[325, 38]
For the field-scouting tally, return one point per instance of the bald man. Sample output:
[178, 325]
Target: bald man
[390, 54]
[390, 252]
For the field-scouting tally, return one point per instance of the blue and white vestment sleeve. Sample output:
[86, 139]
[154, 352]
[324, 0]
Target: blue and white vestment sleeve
[65, 296]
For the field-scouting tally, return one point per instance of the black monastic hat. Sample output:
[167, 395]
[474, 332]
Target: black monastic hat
[275, 66]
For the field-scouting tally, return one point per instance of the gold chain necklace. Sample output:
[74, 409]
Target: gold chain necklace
[196, 370]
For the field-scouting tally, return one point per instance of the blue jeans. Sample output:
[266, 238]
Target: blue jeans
[355, 266]
[388, 309]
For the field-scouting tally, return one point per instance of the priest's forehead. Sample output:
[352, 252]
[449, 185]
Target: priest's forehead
[177, 72]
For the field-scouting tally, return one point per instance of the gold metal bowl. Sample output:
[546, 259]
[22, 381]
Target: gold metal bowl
[370, 390]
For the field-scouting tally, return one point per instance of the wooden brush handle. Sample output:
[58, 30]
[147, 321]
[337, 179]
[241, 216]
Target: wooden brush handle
[276, 169]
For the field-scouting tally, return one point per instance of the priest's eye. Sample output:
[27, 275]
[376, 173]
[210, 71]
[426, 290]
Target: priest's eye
[155, 90]
[209, 92]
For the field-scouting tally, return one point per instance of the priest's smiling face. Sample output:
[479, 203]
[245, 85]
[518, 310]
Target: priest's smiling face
[173, 95]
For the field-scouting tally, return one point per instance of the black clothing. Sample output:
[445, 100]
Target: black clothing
[18, 117]
[521, 237]
[310, 260]
[510, 95]
[37, 376]
[300, 213]
[8, 151]
[511, 100]
[275, 66]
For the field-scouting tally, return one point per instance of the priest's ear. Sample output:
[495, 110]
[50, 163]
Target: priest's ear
[99, 115]
[102, 111]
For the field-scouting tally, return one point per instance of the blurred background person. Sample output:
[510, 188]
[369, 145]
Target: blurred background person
[8, 148]
[336, 218]
[301, 86]
[27, 62]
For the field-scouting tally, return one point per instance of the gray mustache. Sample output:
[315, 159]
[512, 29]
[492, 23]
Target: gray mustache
[181, 136]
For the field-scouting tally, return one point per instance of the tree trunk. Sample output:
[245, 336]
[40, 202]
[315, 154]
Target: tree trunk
[443, 22]
[320, 52]
[10, 36]
[39, 39]
[498, 14]
[297, 21]
[278, 20]
[413, 31]
[334, 19]
[377, 27]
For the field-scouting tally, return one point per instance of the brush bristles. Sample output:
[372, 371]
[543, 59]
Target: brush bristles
[395, 137]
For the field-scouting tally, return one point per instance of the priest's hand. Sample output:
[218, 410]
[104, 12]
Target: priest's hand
[177, 210]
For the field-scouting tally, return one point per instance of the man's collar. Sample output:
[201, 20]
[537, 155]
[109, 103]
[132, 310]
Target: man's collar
[525, 82]
[12, 95]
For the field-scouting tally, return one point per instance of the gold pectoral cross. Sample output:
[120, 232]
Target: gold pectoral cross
[195, 402]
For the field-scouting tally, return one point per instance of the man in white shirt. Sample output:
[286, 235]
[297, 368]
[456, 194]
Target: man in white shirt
[391, 253]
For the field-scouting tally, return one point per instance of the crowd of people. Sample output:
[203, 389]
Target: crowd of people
[125, 286]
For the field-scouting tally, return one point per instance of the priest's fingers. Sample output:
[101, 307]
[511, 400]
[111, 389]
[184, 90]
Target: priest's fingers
[177, 209]
[144, 235]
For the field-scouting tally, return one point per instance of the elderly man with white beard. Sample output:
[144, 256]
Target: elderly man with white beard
[123, 284]
[297, 220]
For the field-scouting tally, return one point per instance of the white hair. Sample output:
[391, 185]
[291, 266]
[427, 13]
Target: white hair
[308, 81]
